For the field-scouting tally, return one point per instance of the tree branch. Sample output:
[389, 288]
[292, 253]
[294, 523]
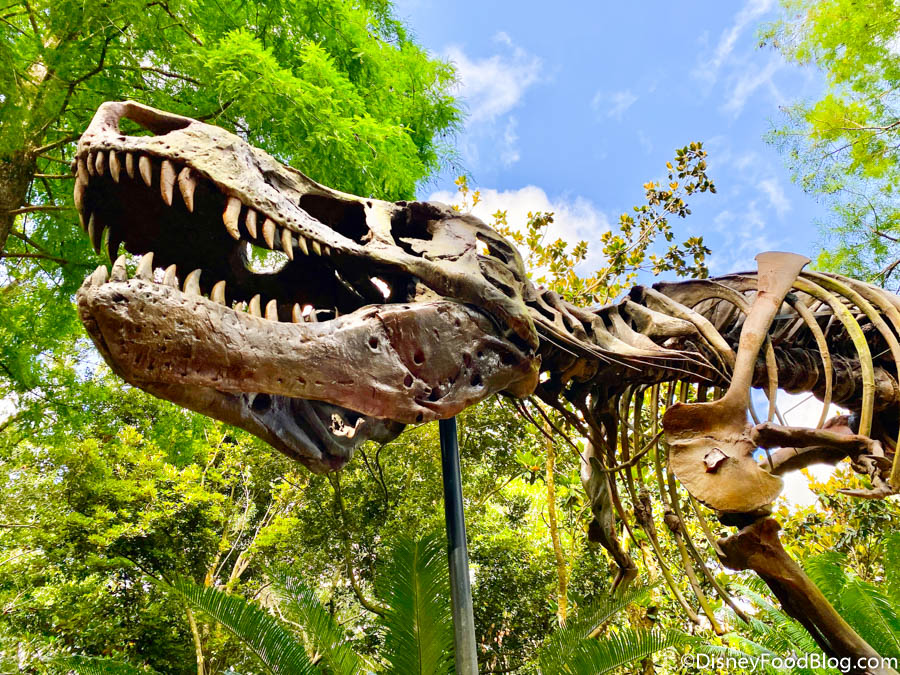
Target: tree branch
[33, 208]
[36, 256]
[55, 144]
[371, 605]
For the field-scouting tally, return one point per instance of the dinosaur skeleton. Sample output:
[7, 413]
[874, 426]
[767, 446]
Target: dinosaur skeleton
[385, 314]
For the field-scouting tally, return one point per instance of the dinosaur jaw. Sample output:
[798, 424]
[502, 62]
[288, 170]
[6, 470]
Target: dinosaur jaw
[297, 353]
[315, 391]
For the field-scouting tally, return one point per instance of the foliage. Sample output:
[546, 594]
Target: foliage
[418, 620]
[271, 642]
[872, 609]
[419, 636]
[772, 633]
[844, 146]
[359, 105]
[325, 636]
[417, 624]
[627, 251]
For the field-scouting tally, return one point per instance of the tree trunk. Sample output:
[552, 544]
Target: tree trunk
[561, 572]
[758, 548]
[17, 170]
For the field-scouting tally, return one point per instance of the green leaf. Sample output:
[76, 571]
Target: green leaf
[300, 604]
[418, 624]
[275, 647]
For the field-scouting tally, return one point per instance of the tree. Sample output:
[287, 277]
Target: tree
[335, 88]
[845, 146]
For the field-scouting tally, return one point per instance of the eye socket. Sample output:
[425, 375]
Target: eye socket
[147, 122]
[345, 217]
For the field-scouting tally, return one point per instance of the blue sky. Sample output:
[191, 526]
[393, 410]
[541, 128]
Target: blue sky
[573, 106]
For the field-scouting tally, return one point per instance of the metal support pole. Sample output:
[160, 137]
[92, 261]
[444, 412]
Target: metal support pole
[460, 589]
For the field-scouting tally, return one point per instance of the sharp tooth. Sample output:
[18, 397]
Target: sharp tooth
[326, 250]
[301, 244]
[169, 278]
[100, 163]
[269, 233]
[167, 181]
[146, 169]
[218, 293]
[80, 189]
[239, 306]
[129, 165]
[250, 222]
[115, 168]
[100, 276]
[316, 247]
[286, 244]
[254, 306]
[230, 216]
[119, 273]
[272, 311]
[337, 313]
[312, 318]
[82, 174]
[95, 233]
[187, 183]
[90, 163]
[145, 268]
[192, 283]
[297, 314]
[113, 242]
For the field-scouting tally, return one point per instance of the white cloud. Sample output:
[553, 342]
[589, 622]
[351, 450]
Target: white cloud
[742, 235]
[494, 85]
[709, 66]
[777, 199]
[746, 82]
[490, 88]
[615, 104]
[510, 152]
[573, 219]
[645, 142]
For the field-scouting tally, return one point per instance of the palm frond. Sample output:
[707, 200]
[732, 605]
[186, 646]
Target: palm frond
[871, 613]
[618, 649]
[826, 572]
[415, 585]
[277, 649]
[325, 635]
[91, 665]
[565, 640]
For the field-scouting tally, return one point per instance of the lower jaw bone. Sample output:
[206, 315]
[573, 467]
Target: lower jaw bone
[409, 363]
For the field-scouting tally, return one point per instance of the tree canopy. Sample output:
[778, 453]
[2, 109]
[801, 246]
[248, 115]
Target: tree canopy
[845, 146]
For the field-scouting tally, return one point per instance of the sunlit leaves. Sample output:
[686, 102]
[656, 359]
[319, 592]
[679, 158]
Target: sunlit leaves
[844, 146]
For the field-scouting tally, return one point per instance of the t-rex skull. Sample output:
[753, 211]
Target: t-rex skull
[382, 314]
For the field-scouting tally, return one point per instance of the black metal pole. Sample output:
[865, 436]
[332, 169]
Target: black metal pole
[460, 588]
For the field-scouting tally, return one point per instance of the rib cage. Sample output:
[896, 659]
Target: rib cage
[605, 367]
[688, 331]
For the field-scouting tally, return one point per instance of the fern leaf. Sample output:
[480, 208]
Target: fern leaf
[826, 572]
[327, 637]
[419, 627]
[619, 649]
[872, 615]
[276, 648]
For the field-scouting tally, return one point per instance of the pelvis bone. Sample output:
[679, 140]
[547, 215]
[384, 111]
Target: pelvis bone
[710, 445]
